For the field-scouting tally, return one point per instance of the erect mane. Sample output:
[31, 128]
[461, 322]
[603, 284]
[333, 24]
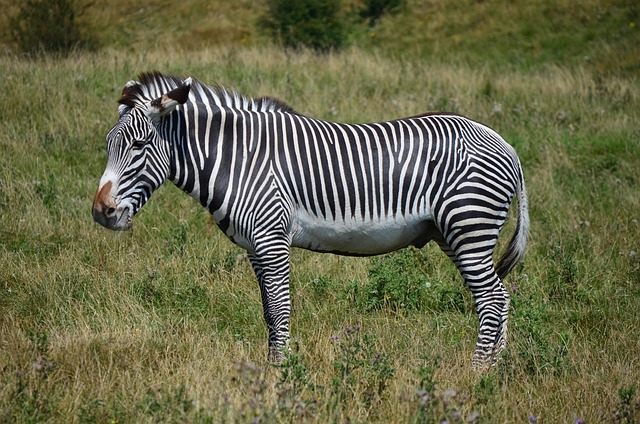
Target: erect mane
[154, 84]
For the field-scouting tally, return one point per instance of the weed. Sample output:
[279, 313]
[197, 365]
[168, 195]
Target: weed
[47, 190]
[540, 349]
[435, 406]
[254, 407]
[40, 341]
[484, 391]
[319, 285]
[27, 399]
[397, 281]
[92, 411]
[160, 406]
[361, 372]
[28, 392]
[296, 395]
[627, 409]
[230, 260]
[176, 240]
[293, 372]
[563, 271]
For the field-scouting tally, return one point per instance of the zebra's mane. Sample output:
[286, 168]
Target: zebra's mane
[154, 84]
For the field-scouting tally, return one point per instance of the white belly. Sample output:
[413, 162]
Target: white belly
[358, 237]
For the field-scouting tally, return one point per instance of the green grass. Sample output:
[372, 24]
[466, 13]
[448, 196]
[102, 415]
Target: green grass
[164, 323]
[600, 35]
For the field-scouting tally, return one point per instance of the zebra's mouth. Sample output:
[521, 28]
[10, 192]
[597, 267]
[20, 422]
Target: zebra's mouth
[118, 218]
[125, 220]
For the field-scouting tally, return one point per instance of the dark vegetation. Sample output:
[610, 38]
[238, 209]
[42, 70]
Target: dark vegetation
[50, 26]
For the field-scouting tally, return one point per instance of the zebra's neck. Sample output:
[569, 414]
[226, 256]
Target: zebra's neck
[217, 95]
[207, 136]
[204, 152]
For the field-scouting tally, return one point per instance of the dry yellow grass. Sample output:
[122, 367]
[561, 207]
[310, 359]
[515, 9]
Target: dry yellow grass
[162, 324]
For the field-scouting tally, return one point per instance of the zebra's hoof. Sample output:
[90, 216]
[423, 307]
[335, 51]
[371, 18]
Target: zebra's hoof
[277, 355]
[482, 361]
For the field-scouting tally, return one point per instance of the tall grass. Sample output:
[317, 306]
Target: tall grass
[164, 323]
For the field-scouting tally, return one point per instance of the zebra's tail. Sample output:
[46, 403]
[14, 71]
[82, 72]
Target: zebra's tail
[518, 244]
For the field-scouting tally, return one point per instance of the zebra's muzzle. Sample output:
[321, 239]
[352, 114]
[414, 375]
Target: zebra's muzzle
[118, 218]
[107, 213]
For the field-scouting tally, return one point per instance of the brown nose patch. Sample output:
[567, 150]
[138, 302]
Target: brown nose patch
[103, 198]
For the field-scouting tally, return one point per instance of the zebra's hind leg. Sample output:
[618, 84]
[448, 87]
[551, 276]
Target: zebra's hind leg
[501, 341]
[492, 306]
[272, 271]
[491, 303]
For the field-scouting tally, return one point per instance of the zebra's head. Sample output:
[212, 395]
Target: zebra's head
[137, 151]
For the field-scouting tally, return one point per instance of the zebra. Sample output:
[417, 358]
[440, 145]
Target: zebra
[274, 179]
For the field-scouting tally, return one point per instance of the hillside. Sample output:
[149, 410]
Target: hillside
[602, 34]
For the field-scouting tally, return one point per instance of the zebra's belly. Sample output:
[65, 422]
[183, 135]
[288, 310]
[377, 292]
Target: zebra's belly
[361, 237]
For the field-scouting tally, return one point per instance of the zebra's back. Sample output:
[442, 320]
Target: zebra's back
[372, 188]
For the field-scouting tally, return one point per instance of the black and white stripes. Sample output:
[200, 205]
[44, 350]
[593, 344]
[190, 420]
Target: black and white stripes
[273, 179]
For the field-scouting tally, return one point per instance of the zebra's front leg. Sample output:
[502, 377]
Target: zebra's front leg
[272, 270]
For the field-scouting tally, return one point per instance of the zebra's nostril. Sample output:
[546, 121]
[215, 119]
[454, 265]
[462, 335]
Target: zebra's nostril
[110, 211]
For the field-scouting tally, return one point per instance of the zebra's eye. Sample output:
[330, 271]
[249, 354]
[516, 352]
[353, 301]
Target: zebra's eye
[138, 144]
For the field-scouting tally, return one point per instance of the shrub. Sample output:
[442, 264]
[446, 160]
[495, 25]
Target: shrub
[399, 281]
[47, 26]
[310, 23]
[374, 9]
[395, 280]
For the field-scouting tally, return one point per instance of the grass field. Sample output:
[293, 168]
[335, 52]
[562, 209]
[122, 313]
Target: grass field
[164, 323]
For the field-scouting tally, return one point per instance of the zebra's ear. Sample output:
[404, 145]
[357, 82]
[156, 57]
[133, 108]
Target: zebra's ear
[127, 100]
[122, 109]
[167, 103]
